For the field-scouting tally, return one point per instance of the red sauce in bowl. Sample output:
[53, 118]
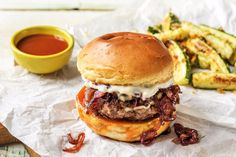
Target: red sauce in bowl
[42, 44]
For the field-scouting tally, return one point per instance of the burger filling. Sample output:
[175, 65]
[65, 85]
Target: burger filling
[135, 108]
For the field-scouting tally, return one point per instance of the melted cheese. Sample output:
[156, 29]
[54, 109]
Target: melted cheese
[127, 92]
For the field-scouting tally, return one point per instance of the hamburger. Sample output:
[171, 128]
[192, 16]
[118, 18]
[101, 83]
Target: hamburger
[128, 93]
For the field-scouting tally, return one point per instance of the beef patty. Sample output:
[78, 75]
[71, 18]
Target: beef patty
[108, 105]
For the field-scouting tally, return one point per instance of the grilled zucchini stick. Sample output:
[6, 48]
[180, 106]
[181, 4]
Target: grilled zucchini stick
[231, 39]
[211, 80]
[199, 47]
[178, 34]
[220, 34]
[182, 68]
[203, 62]
[200, 61]
[221, 46]
[170, 22]
[155, 29]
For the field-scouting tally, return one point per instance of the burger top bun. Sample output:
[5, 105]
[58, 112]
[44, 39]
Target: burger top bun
[125, 58]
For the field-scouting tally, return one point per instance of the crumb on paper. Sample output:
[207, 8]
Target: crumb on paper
[220, 90]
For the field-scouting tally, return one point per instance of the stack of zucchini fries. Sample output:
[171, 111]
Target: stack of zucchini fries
[203, 56]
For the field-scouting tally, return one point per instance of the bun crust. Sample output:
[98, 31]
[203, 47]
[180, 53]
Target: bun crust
[125, 58]
[120, 130]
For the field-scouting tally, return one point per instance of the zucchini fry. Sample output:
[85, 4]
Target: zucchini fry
[196, 60]
[220, 34]
[199, 47]
[229, 38]
[192, 29]
[210, 80]
[170, 22]
[232, 59]
[203, 62]
[178, 34]
[155, 29]
[221, 46]
[182, 68]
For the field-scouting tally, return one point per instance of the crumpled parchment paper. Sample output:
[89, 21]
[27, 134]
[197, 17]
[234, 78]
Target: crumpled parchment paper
[39, 109]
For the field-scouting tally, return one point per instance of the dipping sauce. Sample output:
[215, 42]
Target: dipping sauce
[42, 44]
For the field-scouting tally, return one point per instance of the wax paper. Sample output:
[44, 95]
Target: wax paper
[39, 109]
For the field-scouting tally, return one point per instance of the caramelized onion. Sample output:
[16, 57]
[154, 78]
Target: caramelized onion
[92, 103]
[185, 136]
[148, 136]
[71, 139]
[77, 143]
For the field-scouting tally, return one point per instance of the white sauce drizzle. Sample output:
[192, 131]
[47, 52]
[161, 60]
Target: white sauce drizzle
[126, 92]
[127, 109]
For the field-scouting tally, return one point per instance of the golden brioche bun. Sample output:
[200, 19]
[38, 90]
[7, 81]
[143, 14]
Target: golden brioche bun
[120, 130]
[125, 58]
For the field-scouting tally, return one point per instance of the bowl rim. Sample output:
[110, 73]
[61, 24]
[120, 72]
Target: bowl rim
[70, 42]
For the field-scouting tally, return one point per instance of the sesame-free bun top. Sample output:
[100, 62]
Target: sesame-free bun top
[125, 58]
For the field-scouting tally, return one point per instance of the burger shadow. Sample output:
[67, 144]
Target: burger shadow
[165, 137]
[161, 138]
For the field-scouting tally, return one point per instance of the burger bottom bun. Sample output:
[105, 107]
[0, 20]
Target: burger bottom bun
[120, 130]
